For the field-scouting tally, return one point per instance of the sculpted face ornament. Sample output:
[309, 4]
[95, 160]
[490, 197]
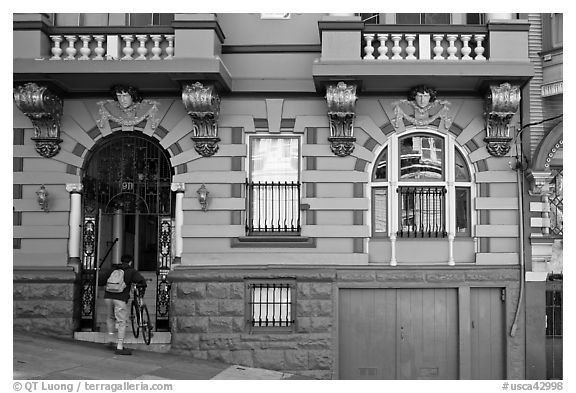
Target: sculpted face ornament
[127, 109]
[421, 108]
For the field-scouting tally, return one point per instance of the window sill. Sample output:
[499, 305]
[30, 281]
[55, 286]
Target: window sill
[273, 241]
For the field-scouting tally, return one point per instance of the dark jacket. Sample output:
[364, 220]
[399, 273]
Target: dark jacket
[131, 276]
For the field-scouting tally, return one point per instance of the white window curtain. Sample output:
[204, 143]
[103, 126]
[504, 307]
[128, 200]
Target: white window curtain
[275, 159]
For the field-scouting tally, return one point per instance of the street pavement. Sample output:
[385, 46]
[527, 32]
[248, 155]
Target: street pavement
[49, 358]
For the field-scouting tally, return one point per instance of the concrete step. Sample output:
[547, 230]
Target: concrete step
[161, 341]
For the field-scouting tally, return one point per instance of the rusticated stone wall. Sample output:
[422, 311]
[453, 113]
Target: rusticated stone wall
[208, 312]
[43, 300]
[208, 322]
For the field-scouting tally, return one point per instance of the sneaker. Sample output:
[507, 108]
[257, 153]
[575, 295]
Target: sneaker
[123, 351]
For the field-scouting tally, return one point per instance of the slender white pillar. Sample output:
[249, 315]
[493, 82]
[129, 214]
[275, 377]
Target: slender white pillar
[75, 222]
[118, 233]
[179, 189]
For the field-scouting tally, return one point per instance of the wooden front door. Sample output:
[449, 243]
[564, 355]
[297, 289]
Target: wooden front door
[398, 333]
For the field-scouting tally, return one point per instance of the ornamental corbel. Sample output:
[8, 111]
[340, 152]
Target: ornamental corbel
[203, 105]
[539, 182]
[44, 109]
[341, 101]
[502, 103]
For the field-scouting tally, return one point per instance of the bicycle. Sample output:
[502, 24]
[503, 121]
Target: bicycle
[139, 316]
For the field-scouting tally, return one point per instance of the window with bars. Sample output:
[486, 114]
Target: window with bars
[271, 305]
[273, 189]
[411, 181]
[112, 19]
[554, 313]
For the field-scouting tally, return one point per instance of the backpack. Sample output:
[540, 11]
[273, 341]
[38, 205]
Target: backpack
[116, 282]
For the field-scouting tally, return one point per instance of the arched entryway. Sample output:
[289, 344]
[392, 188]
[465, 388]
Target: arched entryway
[127, 209]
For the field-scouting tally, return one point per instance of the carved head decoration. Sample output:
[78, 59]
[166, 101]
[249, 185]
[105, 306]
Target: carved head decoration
[126, 95]
[422, 95]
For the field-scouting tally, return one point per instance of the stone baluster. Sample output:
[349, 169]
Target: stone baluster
[410, 49]
[142, 50]
[56, 50]
[438, 50]
[85, 49]
[368, 49]
[170, 48]
[127, 50]
[99, 50]
[396, 49]
[382, 49]
[71, 50]
[465, 48]
[156, 50]
[479, 50]
[452, 48]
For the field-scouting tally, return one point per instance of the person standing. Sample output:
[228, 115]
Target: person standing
[118, 281]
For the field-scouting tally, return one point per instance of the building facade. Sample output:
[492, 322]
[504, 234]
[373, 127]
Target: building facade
[312, 193]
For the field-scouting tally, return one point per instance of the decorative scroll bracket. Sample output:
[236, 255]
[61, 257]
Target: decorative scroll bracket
[203, 105]
[502, 103]
[44, 109]
[421, 109]
[341, 101]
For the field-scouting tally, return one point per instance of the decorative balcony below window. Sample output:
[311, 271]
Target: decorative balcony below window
[273, 207]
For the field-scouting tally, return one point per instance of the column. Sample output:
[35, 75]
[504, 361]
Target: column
[118, 233]
[75, 223]
[179, 189]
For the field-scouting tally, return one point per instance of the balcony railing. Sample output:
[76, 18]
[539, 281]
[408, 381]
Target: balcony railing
[411, 43]
[112, 46]
[273, 207]
[422, 212]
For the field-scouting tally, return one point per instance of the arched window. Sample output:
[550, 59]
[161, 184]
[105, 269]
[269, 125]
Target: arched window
[421, 187]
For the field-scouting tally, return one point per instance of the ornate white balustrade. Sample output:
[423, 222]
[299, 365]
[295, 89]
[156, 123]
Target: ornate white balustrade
[112, 47]
[424, 46]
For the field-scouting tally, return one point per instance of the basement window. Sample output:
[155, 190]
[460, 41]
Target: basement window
[271, 305]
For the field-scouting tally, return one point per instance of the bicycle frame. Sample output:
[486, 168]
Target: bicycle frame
[140, 317]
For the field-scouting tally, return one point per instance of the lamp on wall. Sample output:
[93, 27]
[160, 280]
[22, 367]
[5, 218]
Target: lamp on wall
[203, 197]
[42, 198]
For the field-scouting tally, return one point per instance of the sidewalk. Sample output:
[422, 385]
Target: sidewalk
[49, 358]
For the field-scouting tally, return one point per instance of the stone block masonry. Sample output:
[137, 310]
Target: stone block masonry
[210, 311]
[44, 300]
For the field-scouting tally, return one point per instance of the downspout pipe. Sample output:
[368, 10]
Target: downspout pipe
[519, 168]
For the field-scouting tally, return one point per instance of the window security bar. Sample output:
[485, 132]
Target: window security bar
[271, 305]
[273, 207]
[422, 212]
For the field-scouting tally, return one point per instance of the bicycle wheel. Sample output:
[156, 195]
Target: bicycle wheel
[146, 325]
[135, 319]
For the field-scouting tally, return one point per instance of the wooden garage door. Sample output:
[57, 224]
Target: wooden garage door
[487, 333]
[398, 333]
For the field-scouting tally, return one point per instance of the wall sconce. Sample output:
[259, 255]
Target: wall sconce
[502, 103]
[42, 198]
[203, 197]
[341, 100]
